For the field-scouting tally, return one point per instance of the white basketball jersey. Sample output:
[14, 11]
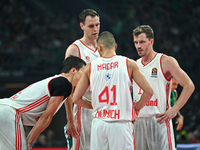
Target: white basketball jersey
[83, 115]
[111, 89]
[87, 54]
[160, 101]
[32, 101]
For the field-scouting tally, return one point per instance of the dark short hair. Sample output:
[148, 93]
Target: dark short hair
[72, 62]
[144, 29]
[107, 39]
[87, 12]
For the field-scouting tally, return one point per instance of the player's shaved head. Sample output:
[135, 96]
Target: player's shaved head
[106, 39]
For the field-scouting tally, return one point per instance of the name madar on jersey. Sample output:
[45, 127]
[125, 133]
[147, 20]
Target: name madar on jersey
[108, 66]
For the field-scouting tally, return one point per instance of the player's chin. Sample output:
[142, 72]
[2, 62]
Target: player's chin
[141, 54]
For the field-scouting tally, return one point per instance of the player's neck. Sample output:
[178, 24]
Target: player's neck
[91, 43]
[108, 54]
[147, 58]
[67, 76]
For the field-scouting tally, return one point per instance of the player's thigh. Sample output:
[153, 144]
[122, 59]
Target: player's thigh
[11, 129]
[99, 140]
[165, 139]
[120, 136]
[140, 134]
[157, 136]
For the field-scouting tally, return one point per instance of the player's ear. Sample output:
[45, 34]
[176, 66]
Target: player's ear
[115, 46]
[100, 47]
[81, 25]
[152, 41]
[72, 71]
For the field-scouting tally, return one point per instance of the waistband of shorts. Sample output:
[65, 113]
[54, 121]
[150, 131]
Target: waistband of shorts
[113, 120]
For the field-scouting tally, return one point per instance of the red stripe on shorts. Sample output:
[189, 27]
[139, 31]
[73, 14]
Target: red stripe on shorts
[18, 140]
[169, 135]
[134, 137]
[79, 125]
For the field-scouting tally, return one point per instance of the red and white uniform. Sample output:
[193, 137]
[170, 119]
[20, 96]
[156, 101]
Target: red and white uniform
[23, 108]
[111, 85]
[162, 135]
[83, 115]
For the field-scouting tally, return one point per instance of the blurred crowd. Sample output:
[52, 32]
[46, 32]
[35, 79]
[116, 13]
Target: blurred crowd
[34, 40]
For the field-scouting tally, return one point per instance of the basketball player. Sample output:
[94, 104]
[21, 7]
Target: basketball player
[86, 49]
[36, 105]
[177, 121]
[153, 127]
[110, 78]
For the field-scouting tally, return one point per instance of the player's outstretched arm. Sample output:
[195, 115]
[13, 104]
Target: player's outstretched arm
[81, 88]
[72, 126]
[171, 69]
[44, 120]
[141, 81]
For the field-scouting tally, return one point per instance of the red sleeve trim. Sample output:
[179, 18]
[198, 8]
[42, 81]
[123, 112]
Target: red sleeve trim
[162, 68]
[78, 50]
[128, 70]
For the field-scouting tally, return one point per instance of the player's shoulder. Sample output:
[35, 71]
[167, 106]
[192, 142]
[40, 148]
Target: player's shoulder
[60, 80]
[165, 59]
[131, 63]
[73, 49]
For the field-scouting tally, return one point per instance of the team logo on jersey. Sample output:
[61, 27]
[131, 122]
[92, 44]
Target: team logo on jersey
[87, 58]
[154, 72]
[108, 76]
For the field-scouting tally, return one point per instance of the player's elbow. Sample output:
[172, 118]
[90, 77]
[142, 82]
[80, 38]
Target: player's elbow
[191, 86]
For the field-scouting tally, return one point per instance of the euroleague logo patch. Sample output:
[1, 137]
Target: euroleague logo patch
[154, 72]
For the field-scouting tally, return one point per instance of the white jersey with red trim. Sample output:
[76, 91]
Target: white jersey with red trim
[160, 101]
[111, 85]
[83, 115]
[32, 101]
[87, 54]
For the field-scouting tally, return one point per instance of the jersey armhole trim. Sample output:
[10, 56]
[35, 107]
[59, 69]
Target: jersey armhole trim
[78, 50]
[48, 88]
[162, 68]
[128, 70]
[90, 71]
